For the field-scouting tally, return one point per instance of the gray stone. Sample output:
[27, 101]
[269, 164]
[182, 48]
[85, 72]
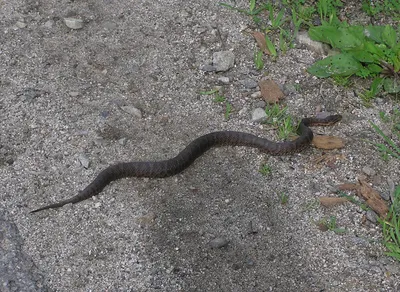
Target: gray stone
[224, 79]
[369, 171]
[256, 94]
[372, 216]
[21, 24]
[218, 242]
[258, 115]
[132, 111]
[223, 60]
[317, 47]
[84, 160]
[249, 83]
[73, 23]
[207, 68]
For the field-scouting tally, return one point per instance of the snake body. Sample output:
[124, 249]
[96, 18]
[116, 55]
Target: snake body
[170, 167]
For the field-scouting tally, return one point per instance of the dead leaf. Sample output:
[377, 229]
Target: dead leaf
[270, 91]
[322, 227]
[328, 159]
[348, 187]
[372, 198]
[260, 38]
[331, 201]
[328, 142]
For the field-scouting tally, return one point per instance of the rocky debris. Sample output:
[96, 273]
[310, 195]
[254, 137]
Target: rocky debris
[218, 242]
[258, 115]
[223, 60]
[73, 23]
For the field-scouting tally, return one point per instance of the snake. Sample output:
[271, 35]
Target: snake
[195, 149]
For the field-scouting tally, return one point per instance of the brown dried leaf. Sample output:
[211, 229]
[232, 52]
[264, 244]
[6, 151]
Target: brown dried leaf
[373, 199]
[322, 227]
[331, 201]
[328, 142]
[260, 38]
[270, 91]
[348, 187]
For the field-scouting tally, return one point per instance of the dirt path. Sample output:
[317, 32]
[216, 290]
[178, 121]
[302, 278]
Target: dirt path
[126, 87]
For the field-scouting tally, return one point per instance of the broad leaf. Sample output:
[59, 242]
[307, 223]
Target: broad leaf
[338, 65]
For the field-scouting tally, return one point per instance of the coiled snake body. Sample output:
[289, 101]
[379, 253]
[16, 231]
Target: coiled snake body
[158, 169]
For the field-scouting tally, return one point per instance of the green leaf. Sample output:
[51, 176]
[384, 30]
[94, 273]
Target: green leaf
[391, 86]
[374, 49]
[252, 5]
[344, 38]
[270, 46]
[363, 56]
[374, 68]
[338, 65]
[389, 36]
[376, 85]
[374, 32]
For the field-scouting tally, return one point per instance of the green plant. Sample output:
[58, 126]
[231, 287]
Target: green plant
[364, 51]
[389, 7]
[219, 98]
[330, 224]
[389, 148]
[265, 169]
[228, 110]
[327, 8]
[284, 198]
[277, 116]
[258, 61]
[391, 227]
[253, 10]
[352, 199]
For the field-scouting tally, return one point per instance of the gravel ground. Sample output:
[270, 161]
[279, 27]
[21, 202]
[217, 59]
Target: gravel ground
[126, 87]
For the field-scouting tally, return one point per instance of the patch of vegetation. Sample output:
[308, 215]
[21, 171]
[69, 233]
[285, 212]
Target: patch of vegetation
[389, 7]
[389, 148]
[258, 60]
[265, 169]
[219, 98]
[277, 116]
[391, 227]
[330, 224]
[284, 198]
[353, 200]
[363, 51]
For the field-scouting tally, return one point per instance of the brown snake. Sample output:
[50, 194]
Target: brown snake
[194, 150]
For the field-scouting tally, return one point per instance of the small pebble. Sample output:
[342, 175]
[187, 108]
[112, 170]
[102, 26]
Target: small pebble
[218, 242]
[256, 94]
[372, 216]
[122, 141]
[73, 23]
[261, 104]
[249, 83]
[258, 115]
[223, 60]
[74, 93]
[369, 171]
[132, 110]
[224, 80]
[207, 68]
[20, 24]
[84, 160]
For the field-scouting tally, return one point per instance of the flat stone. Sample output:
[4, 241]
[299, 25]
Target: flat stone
[223, 60]
[258, 115]
[73, 23]
[218, 242]
[224, 80]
